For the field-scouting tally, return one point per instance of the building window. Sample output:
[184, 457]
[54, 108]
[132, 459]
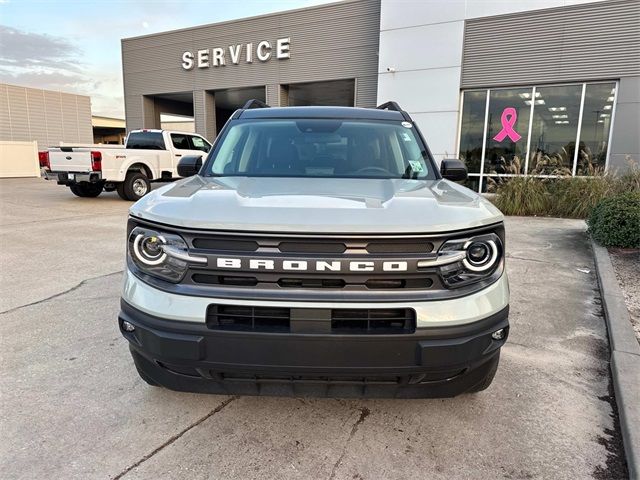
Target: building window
[554, 130]
[597, 116]
[535, 131]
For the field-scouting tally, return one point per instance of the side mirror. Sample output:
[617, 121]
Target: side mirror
[189, 165]
[453, 169]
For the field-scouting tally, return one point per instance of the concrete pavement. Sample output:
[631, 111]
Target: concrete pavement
[73, 406]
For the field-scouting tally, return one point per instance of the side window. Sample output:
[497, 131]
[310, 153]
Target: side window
[146, 140]
[200, 143]
[180, 141]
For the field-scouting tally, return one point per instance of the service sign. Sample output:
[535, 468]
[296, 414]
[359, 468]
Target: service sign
[234, 54]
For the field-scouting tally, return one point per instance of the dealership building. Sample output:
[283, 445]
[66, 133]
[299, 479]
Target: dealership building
[542, 87]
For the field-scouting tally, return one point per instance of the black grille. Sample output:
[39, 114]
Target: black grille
[382, 320]
[360, 321]
[233, 280]
[312, 282]
[399, 247]
[236, 317]
[308, 246]
[225, 244]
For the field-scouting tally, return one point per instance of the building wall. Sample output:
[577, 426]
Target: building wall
[423, 41]
[328, 42]
[19, 159]
[44, 116]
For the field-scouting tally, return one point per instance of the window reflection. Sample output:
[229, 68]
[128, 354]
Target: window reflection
[554, 130]
[507, 130]
[596, 123]
[472, 128]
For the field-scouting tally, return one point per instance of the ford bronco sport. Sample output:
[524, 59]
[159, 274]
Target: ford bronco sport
[316, 251]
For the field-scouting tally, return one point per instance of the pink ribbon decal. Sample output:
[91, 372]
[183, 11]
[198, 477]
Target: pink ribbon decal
[508, 120]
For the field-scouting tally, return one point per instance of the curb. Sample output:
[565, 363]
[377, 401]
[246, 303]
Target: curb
[625, 358]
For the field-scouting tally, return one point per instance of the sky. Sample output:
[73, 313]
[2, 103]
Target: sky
[74, 45]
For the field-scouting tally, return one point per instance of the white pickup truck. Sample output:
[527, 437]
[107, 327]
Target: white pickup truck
[148, 155]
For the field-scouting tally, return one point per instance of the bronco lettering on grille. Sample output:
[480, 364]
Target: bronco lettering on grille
[311, 266]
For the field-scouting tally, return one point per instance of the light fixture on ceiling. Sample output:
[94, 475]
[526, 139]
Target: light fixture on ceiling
[562, 122]
[557, 109]
[560, 116]
[604, 115]
[524, 95]
[540, 101]
[528, 102]
[607, 107]
[600, 121]
[610, 99]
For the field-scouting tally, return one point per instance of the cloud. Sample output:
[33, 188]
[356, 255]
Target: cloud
[26, 49]
[55, 63]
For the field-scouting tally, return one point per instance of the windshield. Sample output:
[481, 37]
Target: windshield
[320, 148]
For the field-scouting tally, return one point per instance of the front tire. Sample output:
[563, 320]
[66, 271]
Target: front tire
[135, 186]
[86, 190]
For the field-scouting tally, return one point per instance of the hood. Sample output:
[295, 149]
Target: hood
[313, 205]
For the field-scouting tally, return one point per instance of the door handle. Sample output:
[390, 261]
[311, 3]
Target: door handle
[178, 154]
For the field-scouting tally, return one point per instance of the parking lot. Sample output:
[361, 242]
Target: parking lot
[73, 406]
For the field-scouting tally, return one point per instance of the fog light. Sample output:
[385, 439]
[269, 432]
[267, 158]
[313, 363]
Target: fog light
[128, 327]
[498, 334]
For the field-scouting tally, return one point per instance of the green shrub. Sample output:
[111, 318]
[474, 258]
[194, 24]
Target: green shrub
[522, 196]
[615, 221]
[574, 197]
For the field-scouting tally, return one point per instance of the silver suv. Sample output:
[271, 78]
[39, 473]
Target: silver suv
[316, 251]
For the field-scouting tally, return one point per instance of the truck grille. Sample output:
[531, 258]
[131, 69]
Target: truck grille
[241, 318]
[371, 320]
[301, 267]
[353, 321]
[312, 246]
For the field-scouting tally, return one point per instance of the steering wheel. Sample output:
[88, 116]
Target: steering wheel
[374, 169]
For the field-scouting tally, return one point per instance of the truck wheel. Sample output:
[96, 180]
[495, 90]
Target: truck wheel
[135, 186]
[86, 190]
[120, 190]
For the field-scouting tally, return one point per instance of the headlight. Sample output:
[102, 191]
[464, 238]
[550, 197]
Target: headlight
[162, 255]
[475, 258]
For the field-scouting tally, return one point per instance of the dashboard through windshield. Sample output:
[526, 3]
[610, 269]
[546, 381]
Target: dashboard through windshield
[328, 148]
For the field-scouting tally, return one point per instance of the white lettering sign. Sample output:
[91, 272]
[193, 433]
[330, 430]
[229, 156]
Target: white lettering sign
[217, 57]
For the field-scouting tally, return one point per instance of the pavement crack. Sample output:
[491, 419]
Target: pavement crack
[174, 438]
[364, 413]
[59, 294]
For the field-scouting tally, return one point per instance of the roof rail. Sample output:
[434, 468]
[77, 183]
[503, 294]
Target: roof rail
[394, 107]
[253, 103]
[389, 106]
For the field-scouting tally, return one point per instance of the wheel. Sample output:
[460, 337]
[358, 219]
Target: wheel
[86, 190]
[135, 186]
[488, 378]
[120, 190]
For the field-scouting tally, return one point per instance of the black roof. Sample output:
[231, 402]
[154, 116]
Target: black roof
[321, 112]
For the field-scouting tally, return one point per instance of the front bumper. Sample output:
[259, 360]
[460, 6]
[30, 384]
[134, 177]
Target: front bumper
[432, 362]
[71, 178]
